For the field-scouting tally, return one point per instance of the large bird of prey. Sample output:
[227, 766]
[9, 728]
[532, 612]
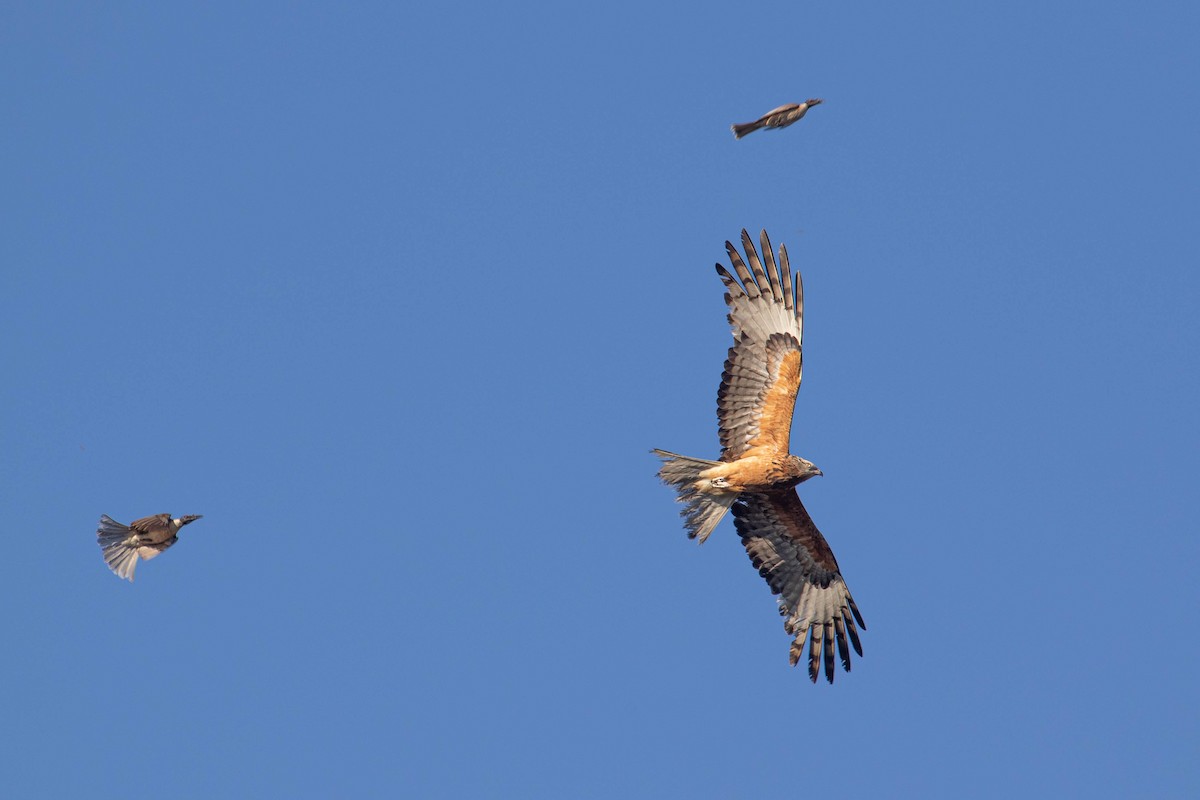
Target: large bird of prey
[143, 538]
[776, 118]
[756, 475]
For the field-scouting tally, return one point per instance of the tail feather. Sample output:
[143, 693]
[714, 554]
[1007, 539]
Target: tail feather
[744, 128]
[120, 556]
[111, 532]
[702, 509]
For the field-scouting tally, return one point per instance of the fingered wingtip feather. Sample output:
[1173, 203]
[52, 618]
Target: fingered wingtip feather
[829, 665]
[760, 275]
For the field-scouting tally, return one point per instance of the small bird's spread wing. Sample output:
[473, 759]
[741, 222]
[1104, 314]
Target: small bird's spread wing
[794, 558]
[156, 527]
[762, 373]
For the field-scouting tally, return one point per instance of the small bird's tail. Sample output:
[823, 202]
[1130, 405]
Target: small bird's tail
[742, 129]
[702, 509]
[121, 557]
[110, 532]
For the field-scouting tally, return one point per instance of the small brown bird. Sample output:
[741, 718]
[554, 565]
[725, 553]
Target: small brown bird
[776, 118]
[144, 538]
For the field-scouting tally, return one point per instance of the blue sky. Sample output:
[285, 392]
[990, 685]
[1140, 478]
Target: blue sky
[399, 298]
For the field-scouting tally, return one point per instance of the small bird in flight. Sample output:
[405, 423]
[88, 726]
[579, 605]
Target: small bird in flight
[776, 118]
[143, 538]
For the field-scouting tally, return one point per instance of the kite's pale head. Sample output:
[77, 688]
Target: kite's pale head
[801, 470]
[816, 101]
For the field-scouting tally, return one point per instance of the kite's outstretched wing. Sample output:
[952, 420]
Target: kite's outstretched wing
[794, 558]
[762, 372]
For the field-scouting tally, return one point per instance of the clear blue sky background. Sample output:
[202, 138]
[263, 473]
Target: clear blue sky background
[399, 297]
